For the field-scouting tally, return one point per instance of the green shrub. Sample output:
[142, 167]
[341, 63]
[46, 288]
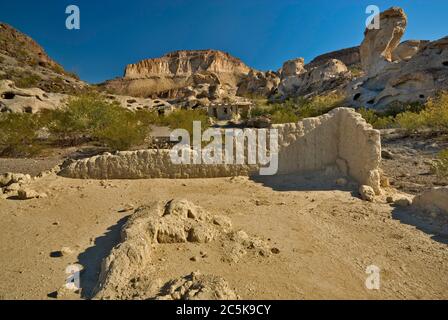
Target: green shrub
[440, 165]
[434, 115]
[183, 119]
[292, 110]
[28, 80]
[89, 117]
[18, 134]
[378, 121]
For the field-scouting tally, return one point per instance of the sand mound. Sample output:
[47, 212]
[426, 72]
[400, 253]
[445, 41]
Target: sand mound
[127, 273]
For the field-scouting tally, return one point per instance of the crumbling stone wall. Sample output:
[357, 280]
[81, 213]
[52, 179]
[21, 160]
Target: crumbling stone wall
[340, 139]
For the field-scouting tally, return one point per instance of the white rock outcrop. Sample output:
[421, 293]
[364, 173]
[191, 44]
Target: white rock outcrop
[378, 45]
[433, 200]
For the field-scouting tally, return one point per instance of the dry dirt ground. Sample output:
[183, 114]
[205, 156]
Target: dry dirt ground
[326, 238]
[408, 159]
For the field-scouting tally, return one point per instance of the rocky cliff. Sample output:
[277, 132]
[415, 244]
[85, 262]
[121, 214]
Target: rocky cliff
[187, 63]
[178, 70]
[26, 63]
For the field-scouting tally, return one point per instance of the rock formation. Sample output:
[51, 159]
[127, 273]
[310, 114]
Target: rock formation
[292, 67]
[349, 56]
[186, 63]
[410, 72]
[32, 100]
[177, 70]
[317, 79]
[378, 45]
[407, 49]
[258, 83]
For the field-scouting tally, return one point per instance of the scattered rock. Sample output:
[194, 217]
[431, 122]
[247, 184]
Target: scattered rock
[367, 193]
[385, 154]
[403, 201]
[198, 287]
[26, 194]
[126, 208]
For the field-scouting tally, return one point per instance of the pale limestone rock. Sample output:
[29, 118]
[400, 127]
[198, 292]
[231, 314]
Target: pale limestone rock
[32, 100]
[293, 67]
[413, 71]
[258, 83]
[407, 49]
[435, 199]
[27, 194]
[367, 193]
[317, 79]
[378, 45]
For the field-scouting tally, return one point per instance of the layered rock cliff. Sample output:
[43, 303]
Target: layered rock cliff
[178, 70]
[186, 63]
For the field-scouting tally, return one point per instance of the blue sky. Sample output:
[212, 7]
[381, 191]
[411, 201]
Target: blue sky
[263, 33]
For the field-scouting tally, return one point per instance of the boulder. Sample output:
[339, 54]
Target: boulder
[435, 199]
[27, 194]
[292, 68]
[31, 100]
[407, 49]
[319, 79]
[258, 83]
[367, 193]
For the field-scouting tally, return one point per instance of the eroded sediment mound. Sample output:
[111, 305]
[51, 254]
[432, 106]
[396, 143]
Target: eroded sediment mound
[128, 272]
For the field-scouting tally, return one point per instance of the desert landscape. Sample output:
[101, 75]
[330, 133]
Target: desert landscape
[90, 196]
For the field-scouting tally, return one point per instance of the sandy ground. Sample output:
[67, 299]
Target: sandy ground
[326, 238]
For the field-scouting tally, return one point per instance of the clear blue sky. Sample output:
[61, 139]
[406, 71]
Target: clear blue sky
[263, 33]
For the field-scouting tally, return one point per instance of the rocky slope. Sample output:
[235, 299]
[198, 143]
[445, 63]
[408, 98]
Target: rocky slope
[25, 62]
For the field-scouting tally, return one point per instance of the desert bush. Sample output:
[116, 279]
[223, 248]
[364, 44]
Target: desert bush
[434, 115]
[440, 165]
[378, 121]
[28, 80]
[319, 105]
[292, 110]
[183, 119]
[18, 134]
[356, 71]
[89, 117]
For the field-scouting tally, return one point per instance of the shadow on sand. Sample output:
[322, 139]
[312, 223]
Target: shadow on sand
[92, 258]
[309, 181]
[409, 216]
